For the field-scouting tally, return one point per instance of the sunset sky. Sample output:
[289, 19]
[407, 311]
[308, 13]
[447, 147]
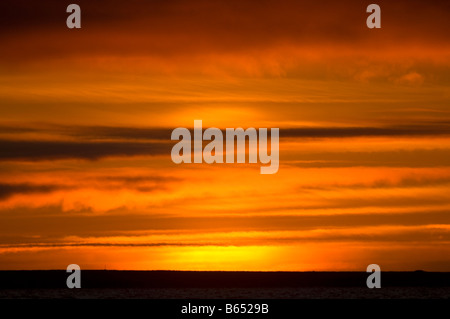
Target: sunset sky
[86, 116]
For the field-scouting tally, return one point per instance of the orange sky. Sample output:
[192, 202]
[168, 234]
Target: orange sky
[86, 115]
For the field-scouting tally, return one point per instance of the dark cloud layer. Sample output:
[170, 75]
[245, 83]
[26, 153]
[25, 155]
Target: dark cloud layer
[8, 190]
[108, 132]
[175, 27]
[54, 223]
[92, 143]
[430, 235]
[398, 158]
[137, 183]
[152, 133]
[57, 150]
[394, 131]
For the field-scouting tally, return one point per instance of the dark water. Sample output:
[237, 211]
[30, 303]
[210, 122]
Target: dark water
[232, 293]
[223, 285]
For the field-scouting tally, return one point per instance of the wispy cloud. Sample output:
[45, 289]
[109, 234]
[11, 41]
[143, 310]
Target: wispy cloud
[8, 190]
[56, 150]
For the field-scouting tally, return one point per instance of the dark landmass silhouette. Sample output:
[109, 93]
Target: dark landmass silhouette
[43, 279]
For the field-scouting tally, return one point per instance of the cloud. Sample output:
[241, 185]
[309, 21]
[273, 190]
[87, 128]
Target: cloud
[169, 29]
[51, 222]
[407, 182]
[97, 142]
[144, 184]
[389, 131]
[105, 132]
[57, 245]
[425, 234]
[9, 190]
[58, 150]
[397, 158]
[152, 133]
[91, 132]
[110, 132]
[411, 78]
[127, 180]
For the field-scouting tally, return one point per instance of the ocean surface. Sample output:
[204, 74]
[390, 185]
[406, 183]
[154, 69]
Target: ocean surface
[105, 284]
[231, 293]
